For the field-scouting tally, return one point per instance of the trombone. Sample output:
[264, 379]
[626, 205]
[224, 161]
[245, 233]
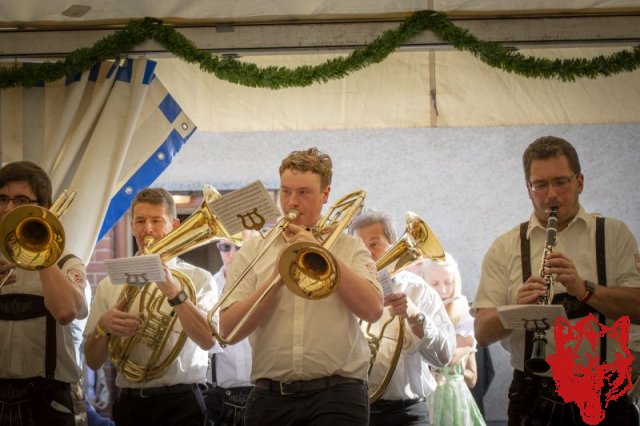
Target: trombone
[32, 237]
[308, 270]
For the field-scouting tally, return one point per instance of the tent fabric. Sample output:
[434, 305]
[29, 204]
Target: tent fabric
[407, 90]
[108, 132]
[50, 11]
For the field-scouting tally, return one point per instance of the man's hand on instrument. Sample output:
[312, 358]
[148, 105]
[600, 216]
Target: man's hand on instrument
[529, 292]
[118, 322]
[298, 234]
[399, 304]
[566, 274]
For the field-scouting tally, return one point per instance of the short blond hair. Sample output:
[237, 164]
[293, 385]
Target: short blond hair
[310, 160]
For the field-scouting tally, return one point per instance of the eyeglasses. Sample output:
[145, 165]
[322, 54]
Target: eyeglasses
[18, 201]
[226, 247]
[559, 183]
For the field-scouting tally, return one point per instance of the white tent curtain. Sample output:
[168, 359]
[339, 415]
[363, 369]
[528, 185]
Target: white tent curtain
[107, 133]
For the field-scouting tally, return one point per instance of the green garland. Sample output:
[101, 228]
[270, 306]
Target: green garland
[272, 77]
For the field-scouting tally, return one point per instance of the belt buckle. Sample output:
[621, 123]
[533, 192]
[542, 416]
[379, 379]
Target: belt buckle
[142, 395]
[282, 385]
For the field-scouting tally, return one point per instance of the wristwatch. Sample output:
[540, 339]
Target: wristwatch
[417, 319]
[180, 297]
[590, 288]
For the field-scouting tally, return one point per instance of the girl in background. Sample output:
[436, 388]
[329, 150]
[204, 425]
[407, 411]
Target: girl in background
[452, 402]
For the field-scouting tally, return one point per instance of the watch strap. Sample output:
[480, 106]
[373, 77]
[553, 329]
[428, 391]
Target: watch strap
[178, 299]
[590, 288]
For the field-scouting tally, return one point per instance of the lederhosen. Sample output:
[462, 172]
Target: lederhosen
[533, 399]
[225, 406]
[36, 400]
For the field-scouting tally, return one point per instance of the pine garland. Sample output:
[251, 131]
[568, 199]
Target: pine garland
[272, 77]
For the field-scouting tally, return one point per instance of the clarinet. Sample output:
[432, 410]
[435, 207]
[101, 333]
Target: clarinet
[537, 363]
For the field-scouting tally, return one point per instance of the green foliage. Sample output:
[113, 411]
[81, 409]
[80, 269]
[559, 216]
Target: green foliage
[272, 77]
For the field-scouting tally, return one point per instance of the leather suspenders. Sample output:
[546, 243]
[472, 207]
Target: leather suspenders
[574, 308]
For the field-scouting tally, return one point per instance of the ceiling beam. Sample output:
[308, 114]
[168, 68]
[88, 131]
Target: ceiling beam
[316, 37]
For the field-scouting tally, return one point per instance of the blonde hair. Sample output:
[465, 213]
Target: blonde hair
[310, 160]
[457, 305]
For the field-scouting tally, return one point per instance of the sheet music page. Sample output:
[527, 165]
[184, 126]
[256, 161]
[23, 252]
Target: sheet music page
[246, 208]
[137, 270]
[521, 316]
[385, 281]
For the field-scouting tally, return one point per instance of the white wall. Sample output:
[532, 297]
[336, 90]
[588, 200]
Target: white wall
[467, 184]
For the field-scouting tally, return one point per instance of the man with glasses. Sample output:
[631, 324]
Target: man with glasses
[230, 367]
[38, 366]
[608, 288]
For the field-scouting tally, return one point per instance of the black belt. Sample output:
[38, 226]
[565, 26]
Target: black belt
[387, 405]
[286, 388]
[160, 390]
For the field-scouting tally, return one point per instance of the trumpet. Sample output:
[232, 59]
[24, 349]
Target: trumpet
[537, 363]
[32, 237]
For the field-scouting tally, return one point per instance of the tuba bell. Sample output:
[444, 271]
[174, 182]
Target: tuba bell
[32, 237]
[416, 244]
[147, 355]
[308, 270]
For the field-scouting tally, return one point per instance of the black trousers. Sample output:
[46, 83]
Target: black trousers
[533, 401]
[225, 406]
[184, 407]
[345, 404]
[35, 402]
[403, 412]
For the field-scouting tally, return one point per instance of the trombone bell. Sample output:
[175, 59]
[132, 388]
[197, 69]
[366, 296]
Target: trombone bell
[309, 271]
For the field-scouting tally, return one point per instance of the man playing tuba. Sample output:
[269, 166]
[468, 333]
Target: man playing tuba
[172, 394]
[430, 336]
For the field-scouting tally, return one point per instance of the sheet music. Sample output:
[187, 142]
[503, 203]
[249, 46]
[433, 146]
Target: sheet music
[523, 316]
[385, 280]
[137, 270]
[246, 208]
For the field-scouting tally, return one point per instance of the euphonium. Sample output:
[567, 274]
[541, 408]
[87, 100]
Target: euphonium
[32, 237]
[146, 355]
[537, 363]
[308, 270]
[417, 243]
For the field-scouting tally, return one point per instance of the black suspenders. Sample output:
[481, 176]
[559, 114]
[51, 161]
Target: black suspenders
[18, 307]
[582, 308]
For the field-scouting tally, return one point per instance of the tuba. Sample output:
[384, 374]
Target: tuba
[145, 355]
[416, 244]
[537, 362]
[32, 237]
[308, 270]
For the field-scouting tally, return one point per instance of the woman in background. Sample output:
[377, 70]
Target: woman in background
[452, 402]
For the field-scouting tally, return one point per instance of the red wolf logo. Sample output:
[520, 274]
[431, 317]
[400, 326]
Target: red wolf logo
[583, 384]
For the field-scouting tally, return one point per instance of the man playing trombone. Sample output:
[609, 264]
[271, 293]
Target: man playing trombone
[310, 357]
[38, 302]
[172, 395]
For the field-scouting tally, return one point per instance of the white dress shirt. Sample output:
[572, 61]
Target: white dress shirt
[22, 350]
[412, 378]
[192, 362]
[502, 270]
[305, 339]
[233, 363]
